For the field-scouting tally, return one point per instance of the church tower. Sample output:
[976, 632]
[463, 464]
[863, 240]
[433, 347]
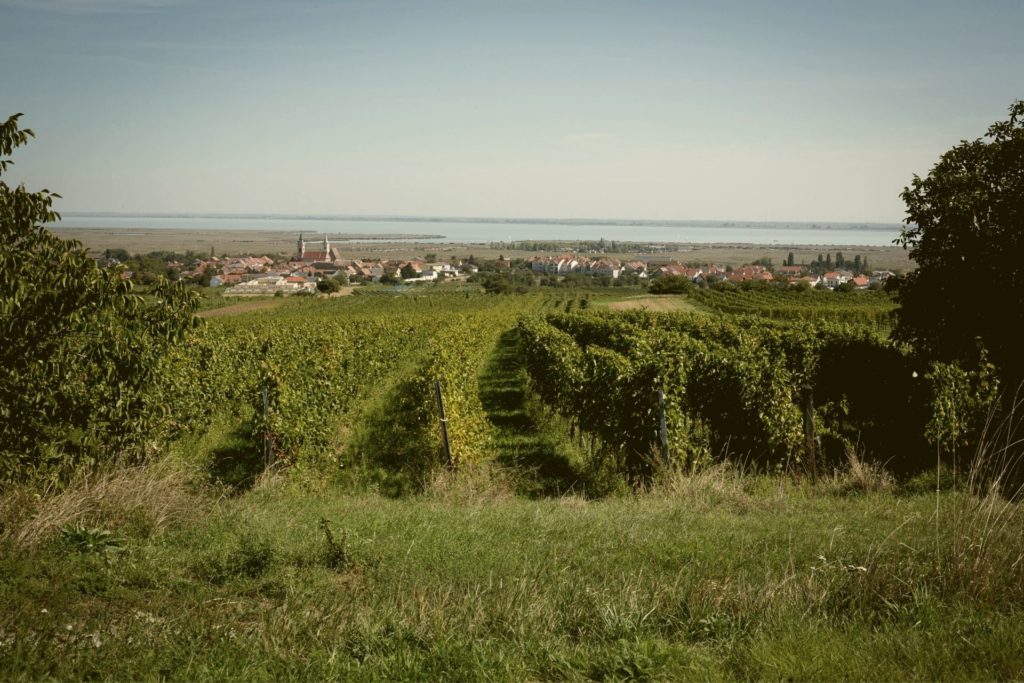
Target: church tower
[327, 249]
[301, 248]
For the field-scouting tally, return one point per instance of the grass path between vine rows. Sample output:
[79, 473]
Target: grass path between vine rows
[523, 442]
[240, 308]
[656, 303]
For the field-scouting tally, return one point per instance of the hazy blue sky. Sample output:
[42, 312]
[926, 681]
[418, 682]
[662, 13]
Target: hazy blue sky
[777, 110]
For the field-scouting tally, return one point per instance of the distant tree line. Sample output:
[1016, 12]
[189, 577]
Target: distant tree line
[824, 264]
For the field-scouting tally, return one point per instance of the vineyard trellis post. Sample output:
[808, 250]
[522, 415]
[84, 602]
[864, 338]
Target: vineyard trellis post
[809, 446]
[663, 426]
[444, 423]
[267, 451]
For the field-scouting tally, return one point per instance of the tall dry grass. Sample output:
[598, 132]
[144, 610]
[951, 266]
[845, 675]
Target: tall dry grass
[138, 500]
[983, 554]
[976, 546]
[472, 484]
[707, 487]
[859, 476]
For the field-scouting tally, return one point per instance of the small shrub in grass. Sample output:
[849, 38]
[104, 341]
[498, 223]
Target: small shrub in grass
[250, 557]
[334, 554]
[860, 476]
[628, 661]
[925, 482]
[92, 540]
[333, 551]
[603, 476]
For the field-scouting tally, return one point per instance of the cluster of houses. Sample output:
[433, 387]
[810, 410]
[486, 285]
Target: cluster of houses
[314, 261]
[834, 278]
[229, 270]
[568, 264]
[262, 276]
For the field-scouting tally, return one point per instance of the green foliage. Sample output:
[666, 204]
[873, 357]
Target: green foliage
[328, 285]
[874, 309]
[118, 254]
[508, 282]
[313, 378]
[737, 387]
[403, 432]
[871, 396]
[672, 284]
[965, 230]
[345, 385]
[963, 400]
[733, 385]
[719, 395]
[80, 353]
[91, 539]
[249, 557]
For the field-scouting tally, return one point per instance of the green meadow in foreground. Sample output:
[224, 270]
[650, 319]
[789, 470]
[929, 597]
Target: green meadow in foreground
[144, 574]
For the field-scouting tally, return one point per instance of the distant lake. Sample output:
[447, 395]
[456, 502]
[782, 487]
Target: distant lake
[498, 230]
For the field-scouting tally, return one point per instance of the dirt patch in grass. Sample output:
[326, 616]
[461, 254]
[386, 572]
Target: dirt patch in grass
[668, 302]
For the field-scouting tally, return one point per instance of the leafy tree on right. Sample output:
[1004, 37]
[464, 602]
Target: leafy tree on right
[965, 230]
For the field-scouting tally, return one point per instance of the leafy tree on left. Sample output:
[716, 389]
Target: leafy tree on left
[80, 352]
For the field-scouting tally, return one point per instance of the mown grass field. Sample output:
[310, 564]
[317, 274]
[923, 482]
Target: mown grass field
[535, 563]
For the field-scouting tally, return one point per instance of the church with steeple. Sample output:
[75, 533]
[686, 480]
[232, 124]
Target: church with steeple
[322, 252]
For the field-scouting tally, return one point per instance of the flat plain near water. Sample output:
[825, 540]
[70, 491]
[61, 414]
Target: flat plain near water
[144, 240]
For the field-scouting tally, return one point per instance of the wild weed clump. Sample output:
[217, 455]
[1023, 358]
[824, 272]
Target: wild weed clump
[92, 540]
[136, 501]
[705, 488]
[471, 484]
[335, 553]
[997, 465]
[249, 556]
[860, 476]
[980, 534]
[971, 547]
